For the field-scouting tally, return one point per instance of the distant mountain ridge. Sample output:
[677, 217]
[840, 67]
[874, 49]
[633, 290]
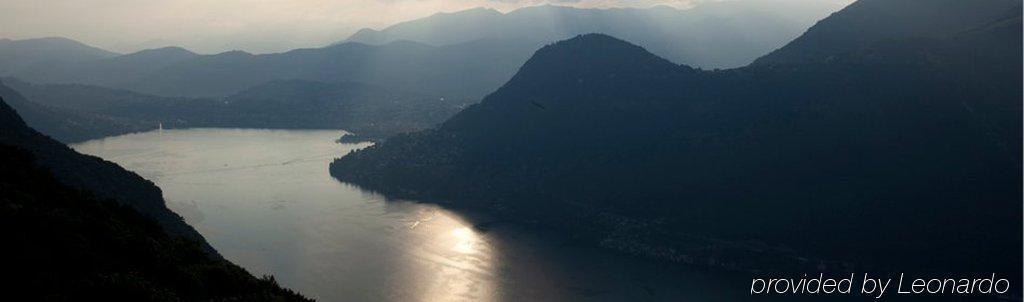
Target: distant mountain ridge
[464, 70]
[908, 147]
[712, 35]
[18, 55]
[114, 71]
[917, 20]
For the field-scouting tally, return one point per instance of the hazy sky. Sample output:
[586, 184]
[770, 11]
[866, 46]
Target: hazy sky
[209, 26]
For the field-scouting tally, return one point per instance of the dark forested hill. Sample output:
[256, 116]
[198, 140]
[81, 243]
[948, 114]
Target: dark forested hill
[77, 234]
[87, 173]
[370, 111]
[75, 112]
[895, 152]
[71, 124]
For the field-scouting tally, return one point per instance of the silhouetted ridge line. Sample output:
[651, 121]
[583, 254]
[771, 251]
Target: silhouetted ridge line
[908, 147]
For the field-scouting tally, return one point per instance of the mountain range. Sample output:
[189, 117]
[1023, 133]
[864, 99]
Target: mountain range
[467, 69]
[407, 77]
[454, 55]
[722, 34]
[19, 55]
[890, 125]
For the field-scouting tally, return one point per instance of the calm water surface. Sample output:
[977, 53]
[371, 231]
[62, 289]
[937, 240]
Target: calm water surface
[264, 199]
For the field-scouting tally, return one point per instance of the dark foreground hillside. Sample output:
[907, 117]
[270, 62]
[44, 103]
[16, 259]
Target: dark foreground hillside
[66, 244]
[899, 152]
[88, 173]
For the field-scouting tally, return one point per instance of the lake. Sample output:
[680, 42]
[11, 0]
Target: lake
[264, 199]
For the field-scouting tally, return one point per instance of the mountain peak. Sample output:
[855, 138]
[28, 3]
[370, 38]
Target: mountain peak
[586, 38]
[49, 45]
[170, 51]
[590, 45]
[478, 11]
[426, 26]
[365, 36]
[61, 40]
[593, 71]
[590, 55]
[234, 54]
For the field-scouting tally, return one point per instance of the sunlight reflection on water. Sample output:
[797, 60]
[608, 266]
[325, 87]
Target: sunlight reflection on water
[265, 200]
